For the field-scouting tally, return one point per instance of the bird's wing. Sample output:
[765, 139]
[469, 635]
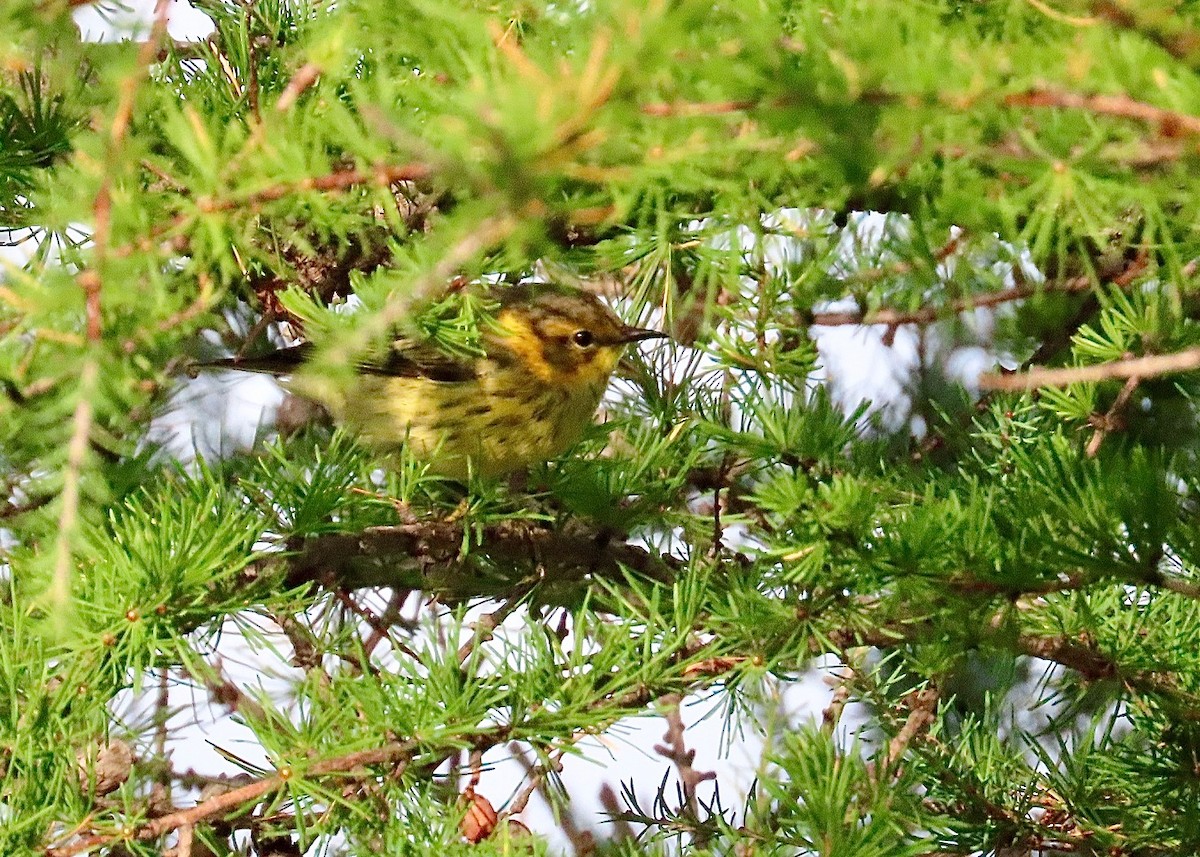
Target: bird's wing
[408, 359]
[403, 359]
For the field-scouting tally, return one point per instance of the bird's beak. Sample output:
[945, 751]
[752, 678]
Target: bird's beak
[637, 334]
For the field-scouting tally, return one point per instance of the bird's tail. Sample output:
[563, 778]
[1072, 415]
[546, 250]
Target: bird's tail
[283, 361]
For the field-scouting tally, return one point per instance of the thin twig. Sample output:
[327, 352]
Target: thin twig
[536, 776]
[306, 649]
[832, 714]
[301, 80]
[390, 617]
[930, 314]
[1182, 45]
[252, 86]
[698, 108]
[382, 175]
[1171, 123]
[340, 180]
[1074, 20]
[90, 281]
[387, 754]
[162, 714]
[488, 623]
[196, 308]
[622, 830]
[1173, 583]
[224, 691]
[1083, 657]
[1142, 368]
[922, 706]
[675, 748]
[11, 510]
[184, 848]
[1111, 419]
[77, 449]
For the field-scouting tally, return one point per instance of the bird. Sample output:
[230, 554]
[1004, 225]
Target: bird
[546, 362]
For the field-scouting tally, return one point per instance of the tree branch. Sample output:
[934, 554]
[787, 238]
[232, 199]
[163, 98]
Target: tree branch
[922, 705]
[387, 754]
[1082, 656]
[1170, 123]
[336, 181]
[674, 747]
[354, 765]
[1135, 367]
[930, 314]
[428, 555]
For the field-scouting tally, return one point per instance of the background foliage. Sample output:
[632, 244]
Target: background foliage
[1006, 579]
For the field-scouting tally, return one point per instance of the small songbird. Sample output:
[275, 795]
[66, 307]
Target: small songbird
[547, 360]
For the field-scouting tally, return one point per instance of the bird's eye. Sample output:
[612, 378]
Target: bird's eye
[583, 338]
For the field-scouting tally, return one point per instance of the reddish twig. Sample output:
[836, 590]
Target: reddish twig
[90, 282]
[536, 776]
[390, 617]
[1111, 420]
[340, 180]
[832, 714]
[1074, 20]
[675, 748]
[306, 650]
[224, 691]
[622, 829]
[196, 308]
[1149, 366]
[698, 108]
[1171, 123]
[301, 80]
[488, 623]
[1123, 14]
[184, 848]
[922, 707]
[382, 175]
[930, 314]
[387, 754]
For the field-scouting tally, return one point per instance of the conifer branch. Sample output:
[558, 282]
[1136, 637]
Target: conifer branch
[90, 281]
[428, 555]
[922, 707]
[235, 799]
[353, 765]
[674, 747]
[382, 175]
[1122, 277]
[1150, 366]
[1182, 44]
[1170, 123]
[1112, 419]
[666, 148]
[934, 312]
[1082, 656]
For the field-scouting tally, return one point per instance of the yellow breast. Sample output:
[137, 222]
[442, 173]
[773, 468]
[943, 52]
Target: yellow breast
[504, 421]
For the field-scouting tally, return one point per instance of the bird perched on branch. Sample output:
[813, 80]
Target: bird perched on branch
[546, 362]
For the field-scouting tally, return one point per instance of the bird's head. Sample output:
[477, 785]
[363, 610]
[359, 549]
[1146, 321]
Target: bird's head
[561, 335]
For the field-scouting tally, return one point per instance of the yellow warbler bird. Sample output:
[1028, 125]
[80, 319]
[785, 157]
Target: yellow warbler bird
[546, 363]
